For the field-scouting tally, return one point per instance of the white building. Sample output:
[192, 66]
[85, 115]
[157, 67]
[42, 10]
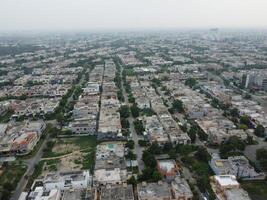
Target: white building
[67, 180]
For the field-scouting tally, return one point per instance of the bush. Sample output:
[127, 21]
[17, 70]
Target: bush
[130, 144]
[177, 105]
[259, 131]
[233, 146]
[135, 110]
[130, 156]
[203, 155]
[191, 82]
[143, 143]
[154, 148]
[124, 111]
[138, 126]
[125, 123]
[149, 159]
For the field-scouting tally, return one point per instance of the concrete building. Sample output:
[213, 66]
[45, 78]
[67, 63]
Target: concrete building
[117, 192]
[154, 191]
[67, 180]
[168, 169]
[180, 189]
[226, 187]
[40, 194]
[238, 166]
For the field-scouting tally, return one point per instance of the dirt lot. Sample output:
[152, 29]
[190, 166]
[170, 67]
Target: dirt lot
[70, 154]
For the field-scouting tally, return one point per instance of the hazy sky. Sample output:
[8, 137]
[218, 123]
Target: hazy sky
[127, 14]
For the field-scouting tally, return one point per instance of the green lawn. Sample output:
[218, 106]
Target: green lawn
[257, 189]
[83, 142]
[88, 160]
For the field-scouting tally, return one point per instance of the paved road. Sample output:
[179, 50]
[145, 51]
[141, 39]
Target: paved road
[137, 148]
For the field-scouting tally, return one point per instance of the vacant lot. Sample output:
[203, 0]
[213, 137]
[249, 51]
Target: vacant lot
[64, 146]
[70, 154]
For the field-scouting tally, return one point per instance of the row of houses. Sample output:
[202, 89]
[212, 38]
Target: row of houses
[56, 90]
[109, 120]
[197, 107]
[86, 109]
[34, 106]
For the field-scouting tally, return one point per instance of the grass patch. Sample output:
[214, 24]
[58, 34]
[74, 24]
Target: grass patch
[88, 160]
[10, 178]
[37, 172]
[84, 141]
[257, 189]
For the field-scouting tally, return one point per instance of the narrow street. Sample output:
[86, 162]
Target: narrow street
[137, 148]
[31, 163]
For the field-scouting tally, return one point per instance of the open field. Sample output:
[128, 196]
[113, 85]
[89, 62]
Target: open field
[66, 154]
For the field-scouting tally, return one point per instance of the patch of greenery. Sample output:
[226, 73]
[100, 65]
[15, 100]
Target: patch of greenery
[257, 190]
[88, 160]
[10, 177]
[232, 147]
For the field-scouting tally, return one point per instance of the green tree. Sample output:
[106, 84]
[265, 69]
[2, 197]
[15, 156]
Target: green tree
[259, 131]
[243, 126]
[203, 155]
[60, 118]
[261, 156]
[156, 176]
[234, 112]
[138, 126]
[125, 123]
[130, 144]
[154, 148]
[233, 146]
[149, 159]
[192, 134]
[130, 155]
[135, 110]
[245, 120]
[178, 105]
[132, 181]
[172, 153]
[191, 82]
[124, 111]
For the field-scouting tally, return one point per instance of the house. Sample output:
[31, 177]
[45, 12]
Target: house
[67, 180]
[117, 192]
[226, 187]
[237, 165]
[154, 191]
[40, 194]
[168, 169]
[83, 126]
[180, 189]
